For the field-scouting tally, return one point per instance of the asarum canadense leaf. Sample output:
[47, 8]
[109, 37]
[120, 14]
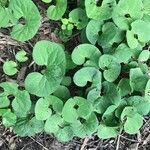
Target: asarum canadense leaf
[56, 125]
[142, 106]
[124, 13]
[76, 108]
[139, 34]
[102, 12]
[28, 126]
[21, 104]
[110, 66]
[147, 91]
[28, 18]
[10, 68]
[55, 12]
[88, 74]
[137, 76]
[9, 119]
[79, 18]
[106, 132]
[144, 56]
[86, 51]
[43, 110]
[133, 120]
[85, 126]
[4, 17]
[92, 30]
[52, 56]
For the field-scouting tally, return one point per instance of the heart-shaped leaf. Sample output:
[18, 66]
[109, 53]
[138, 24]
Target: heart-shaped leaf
[28, 18]
[55, 12]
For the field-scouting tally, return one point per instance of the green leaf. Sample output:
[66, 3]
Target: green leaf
[144, 56]
[109, 117]
[110, 66]
[9, 88]
[55, 12]
[88, 74]
[21, 104]
[28, 127]
[9, 119]
[28, 11]
[142, 105]
[109, 31]
[4, 101]
[4, 17]
[76, 107]
[86, 51]
[62, 92]
[124, 13]
[106, 132]
[102, 12]
[56, 125]
[21, 56]
[52, 55]
[9, 68]
[124, 87]
[79, 18]
[46, 1]
[122, 53]
[85, 127]
[92, 30]
[147, 91]
[45, 106]
[134, 121]
[137, 76]
[139, 34]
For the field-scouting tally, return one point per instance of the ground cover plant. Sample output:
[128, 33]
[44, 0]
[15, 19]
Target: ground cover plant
[110, 69]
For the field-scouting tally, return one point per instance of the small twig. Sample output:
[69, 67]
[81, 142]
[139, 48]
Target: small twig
[39, 143]
[84, 143]
[128, 139]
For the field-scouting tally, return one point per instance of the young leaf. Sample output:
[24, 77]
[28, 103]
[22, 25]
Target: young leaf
[92, 30]
[55, 12]
[79, 18]
[53, 57]
[56, 125]
[137, 76]
[4, 17]
[124, 87]
[123, 53]
[21, 104]
[144, 56]
[106, 132]
[85, 127]
[21, 56]
[110, 66]
[133, 122]
[28, 127]
[147, 91]
[124, 13]
[140, 33]
[84, 52]
[138, 102]
[28, 12]
[102, 12]
[9, 68]
[9, 119]
[75, 108]
[88, 74]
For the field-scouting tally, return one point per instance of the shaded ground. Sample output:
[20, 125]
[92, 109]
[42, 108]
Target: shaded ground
[9, 141]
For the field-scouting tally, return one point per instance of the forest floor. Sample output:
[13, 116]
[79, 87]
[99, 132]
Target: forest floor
[9, 141]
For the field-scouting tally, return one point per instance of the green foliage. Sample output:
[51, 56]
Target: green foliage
[9, 68]
[21, 56]
[55, 12]
[101, 87]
